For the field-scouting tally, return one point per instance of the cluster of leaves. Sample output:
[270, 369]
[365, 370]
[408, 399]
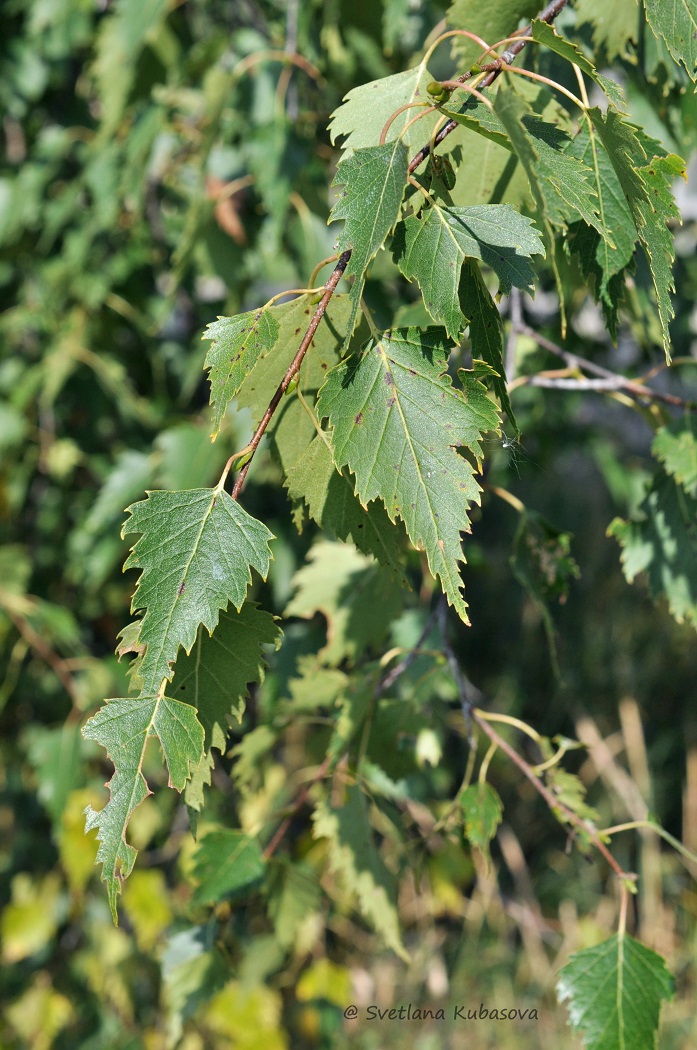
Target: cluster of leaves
[194, 156]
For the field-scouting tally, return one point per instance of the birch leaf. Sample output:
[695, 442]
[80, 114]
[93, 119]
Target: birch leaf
[397, 423]
[123, 726]
[196, 550]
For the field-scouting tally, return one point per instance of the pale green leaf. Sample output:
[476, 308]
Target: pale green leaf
[356, 595]
[676, 22]
[123, 726]
[663, 546]
[123, 34]
[492, 22]
[676, 447]
[354, 857]
[397, 423]
[546, 34]
[187, 457]
[215, 678]
[366, 109]
[614, 24]
[291, 430]
[483, 810]
[295, 894]
[195, 551]
[432, 249]
[226, 863]
[333, 504]
[374, 180]
[614, 993]
[237, 343]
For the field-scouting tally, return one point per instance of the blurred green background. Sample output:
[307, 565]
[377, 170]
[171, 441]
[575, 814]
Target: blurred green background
[165, 162]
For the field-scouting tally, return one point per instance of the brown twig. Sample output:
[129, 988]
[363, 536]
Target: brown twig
[330, 286]
[493, 69]
[44, 651]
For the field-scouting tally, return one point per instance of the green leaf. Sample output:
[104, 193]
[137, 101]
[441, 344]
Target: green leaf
[226, 864]
[614, 993]
[56, 758]
[237, 343]
[486, 332]
[355, 594]
[492, 22]
[571, 792]
[195, 551]
[664, 546]
[676, 447]
[560, 183]
[215, 678]
[123, 726]
[333, 504]
[366, 109]
[676, 22]
[354, 857]
[432, 249]
[373, 179]
[477, 116]
[646, 187]
[397, 423]
[597, 256]
[546, 34]
[483, 810]
[614, 25]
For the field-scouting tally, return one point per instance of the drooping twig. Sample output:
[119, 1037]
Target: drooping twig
[493, 70]
[551, 799]
[480, 719]
[607, 380]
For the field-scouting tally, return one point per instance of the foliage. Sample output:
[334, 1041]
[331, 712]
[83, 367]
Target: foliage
[301, 650]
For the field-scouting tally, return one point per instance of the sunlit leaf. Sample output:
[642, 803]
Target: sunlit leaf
[614, 993]
[397, 423]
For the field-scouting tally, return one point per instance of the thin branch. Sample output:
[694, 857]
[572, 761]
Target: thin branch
[298, 803]
[391, 677]
[548, 15]
[612, 380]
[44, 651]
[330, 286]
[481, 718]
[551, 799]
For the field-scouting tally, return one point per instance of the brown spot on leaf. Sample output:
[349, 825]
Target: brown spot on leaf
[359, 419]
